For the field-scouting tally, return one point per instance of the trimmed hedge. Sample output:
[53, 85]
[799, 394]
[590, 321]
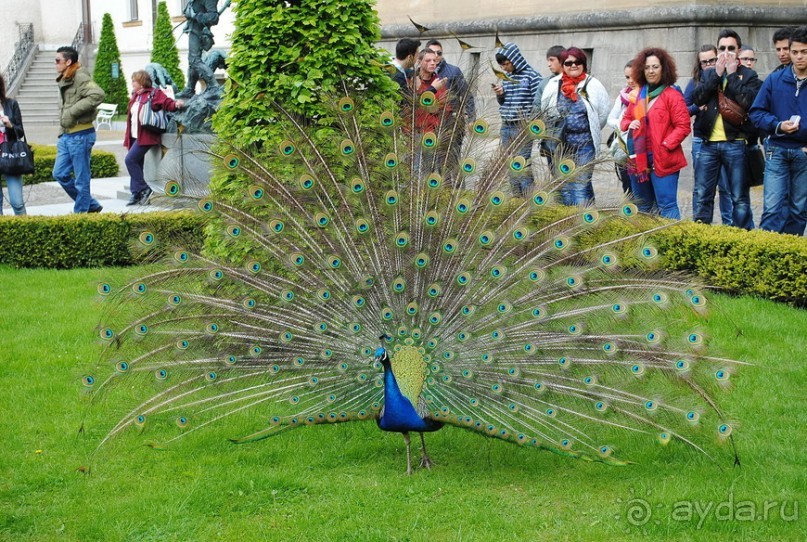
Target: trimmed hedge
[94, 240]
[102, 164]
[754, 263]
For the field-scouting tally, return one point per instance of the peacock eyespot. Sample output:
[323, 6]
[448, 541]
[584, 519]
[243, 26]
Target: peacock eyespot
[172, 189]
[286, 148]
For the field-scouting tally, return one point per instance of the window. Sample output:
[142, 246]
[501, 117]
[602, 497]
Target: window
[133, 14]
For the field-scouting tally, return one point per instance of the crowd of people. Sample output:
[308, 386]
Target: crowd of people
[730, 112]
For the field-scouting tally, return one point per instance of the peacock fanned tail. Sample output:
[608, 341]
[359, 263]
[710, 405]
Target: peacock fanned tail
[518, 319]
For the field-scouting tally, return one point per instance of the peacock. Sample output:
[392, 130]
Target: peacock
[347, 277]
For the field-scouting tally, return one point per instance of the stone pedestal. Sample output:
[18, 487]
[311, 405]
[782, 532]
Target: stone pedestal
[187, 160]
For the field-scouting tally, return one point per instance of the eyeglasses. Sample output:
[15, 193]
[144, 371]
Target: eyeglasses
[727, 47]
[438, 53]
[748, 59]
[570, 63]
[709, 62]
[58, 60]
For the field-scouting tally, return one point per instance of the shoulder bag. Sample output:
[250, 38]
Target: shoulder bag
[151, 120]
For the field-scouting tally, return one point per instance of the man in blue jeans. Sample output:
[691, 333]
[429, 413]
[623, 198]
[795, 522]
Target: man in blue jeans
[725, 145]
[80, 96]
[780, 109]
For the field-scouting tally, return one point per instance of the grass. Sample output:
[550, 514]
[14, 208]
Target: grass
[345, 482]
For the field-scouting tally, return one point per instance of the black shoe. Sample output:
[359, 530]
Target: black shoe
[134, 199]
[96, 210]
[145, 194]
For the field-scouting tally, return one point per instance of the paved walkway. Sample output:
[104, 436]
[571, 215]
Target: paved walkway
[113, 193]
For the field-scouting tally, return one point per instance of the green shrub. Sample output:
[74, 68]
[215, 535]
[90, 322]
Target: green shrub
[754, 263]
[66, 242]
[164, 46]
[108, 54]
[102, 164]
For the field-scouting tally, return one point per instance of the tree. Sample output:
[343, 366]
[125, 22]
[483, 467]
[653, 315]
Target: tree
[164, 46]
[108, 60]
[309, 51]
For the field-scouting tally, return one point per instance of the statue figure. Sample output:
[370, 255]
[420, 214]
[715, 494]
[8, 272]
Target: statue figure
[200, 15]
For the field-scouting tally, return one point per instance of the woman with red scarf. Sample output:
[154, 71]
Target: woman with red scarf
[582, 103]
[658, 123]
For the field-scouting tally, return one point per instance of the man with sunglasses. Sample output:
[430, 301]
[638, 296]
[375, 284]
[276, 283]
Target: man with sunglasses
[724, 142]
[80, 95]
[461, 107]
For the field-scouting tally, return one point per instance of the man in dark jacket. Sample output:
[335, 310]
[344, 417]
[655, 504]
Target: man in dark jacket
[461, 109]
[80, 96]
[406, 50]
[780, 109]
[724, 143]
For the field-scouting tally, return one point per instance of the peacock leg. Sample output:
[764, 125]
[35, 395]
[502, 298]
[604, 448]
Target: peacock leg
[425, 460]
[408, 454]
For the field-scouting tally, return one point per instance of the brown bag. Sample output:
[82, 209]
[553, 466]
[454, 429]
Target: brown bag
[730, 110]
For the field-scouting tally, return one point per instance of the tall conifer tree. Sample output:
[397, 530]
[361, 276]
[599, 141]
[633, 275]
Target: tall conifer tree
[164, 46]
[109, 55]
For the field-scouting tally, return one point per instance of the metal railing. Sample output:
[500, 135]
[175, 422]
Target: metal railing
[23, 49]
[78, 41]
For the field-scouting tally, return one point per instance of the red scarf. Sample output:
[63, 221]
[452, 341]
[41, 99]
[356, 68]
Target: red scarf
[568, 85]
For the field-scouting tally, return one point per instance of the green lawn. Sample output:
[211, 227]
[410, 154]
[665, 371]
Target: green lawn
[346, 482]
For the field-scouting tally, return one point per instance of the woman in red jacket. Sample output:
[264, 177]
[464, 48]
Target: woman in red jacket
[139, 140]
[658, 123]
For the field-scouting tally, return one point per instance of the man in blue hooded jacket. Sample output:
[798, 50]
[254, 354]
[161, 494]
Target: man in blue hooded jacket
[516, 94]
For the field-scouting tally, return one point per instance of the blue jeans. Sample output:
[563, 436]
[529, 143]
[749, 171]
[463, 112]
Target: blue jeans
[134, 160]
[580, 191]
[730, 155]
[785, 203]
[724, 196]
[659, 191]
[522, 184]
[72, 169]
[14, 185]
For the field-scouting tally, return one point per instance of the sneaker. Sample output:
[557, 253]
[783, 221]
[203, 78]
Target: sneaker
[134, 199]
[145, 194]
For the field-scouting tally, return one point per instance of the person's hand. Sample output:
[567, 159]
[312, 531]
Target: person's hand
[634, 125]
[180, 104]
[788, 127]
[720, 65]
[498, 89]
[731, 63]
[5, 120]
[440, 83]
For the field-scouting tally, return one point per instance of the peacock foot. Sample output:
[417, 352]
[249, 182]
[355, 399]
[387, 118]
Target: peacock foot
[426, 462]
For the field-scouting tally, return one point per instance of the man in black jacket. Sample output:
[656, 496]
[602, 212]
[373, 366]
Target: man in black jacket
[724, 142]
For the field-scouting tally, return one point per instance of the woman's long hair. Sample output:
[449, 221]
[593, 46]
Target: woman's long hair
[2, 89]
[697, 71]
[669, 75]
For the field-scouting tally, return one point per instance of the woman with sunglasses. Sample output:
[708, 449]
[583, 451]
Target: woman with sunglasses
[583, 104]
[706, 60]
[658, 123]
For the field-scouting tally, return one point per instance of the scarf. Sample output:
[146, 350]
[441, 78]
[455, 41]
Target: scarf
[628, 96]
[568, 85]
[638, 143]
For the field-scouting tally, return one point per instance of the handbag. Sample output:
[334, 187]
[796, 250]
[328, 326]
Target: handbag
[756, 166]
[151, 120]
[730, 110]
[16, 157]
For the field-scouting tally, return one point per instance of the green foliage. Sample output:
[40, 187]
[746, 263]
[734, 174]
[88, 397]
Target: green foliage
[71, 241]
[164, 47]
[108, 54]
[102, 164]
[309, 51]
[758, 263]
